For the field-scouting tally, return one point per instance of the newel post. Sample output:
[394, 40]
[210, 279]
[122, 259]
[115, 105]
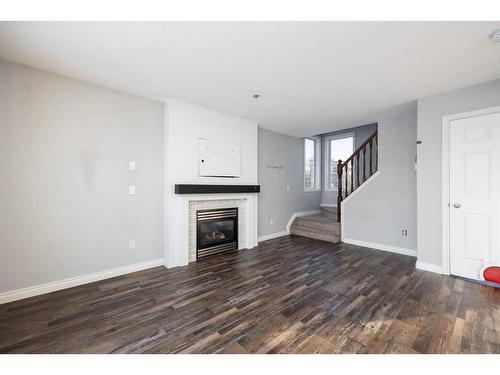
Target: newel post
[339, 184]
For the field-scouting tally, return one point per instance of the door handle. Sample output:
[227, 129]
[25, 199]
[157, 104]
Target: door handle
[457, 205]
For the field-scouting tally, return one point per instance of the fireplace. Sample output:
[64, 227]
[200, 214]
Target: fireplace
[216, 231]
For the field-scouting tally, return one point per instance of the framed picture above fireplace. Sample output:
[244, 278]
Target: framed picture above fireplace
[219, 158]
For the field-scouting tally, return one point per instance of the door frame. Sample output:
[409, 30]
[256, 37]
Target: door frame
[445, 195]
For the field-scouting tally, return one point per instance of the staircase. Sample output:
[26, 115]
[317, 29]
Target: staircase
[351, 174]
[356, 169]
[323, 226]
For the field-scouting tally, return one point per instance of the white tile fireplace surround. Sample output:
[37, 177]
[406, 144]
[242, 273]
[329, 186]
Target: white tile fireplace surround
[194, 206]
[181, 240]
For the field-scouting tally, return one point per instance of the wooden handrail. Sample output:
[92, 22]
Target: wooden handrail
[358, 150]
[354, 160]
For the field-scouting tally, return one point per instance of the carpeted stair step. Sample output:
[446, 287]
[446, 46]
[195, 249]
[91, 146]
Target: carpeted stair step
[319, 227]
[299, 231]
[319, 222]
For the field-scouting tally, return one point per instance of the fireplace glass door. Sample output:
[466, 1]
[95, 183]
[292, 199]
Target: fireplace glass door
[216, 231]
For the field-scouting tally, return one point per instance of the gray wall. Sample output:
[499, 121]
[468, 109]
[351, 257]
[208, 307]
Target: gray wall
[430, 115]
[361, 134]
[281, 164]
[64, 151]
[381, 209]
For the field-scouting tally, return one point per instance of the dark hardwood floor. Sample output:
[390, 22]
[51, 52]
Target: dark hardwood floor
[289, 295]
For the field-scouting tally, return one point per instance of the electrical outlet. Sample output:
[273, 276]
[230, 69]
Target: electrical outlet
[131, 190]
[131, 165]
[131, 244]
[404, 232]
[271, 221]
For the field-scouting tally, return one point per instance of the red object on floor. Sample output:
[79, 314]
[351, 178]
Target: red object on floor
[492, 274]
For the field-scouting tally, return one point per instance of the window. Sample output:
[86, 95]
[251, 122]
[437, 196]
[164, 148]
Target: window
[312, 152]
[338, 147]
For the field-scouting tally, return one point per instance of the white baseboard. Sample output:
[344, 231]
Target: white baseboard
[273, 235]
[378, 246]
[298, 214]
[428, 267]
[75, 281]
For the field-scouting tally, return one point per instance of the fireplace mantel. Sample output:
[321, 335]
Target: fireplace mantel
[215, 189]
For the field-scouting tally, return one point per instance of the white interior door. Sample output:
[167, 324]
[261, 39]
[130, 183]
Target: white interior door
[474, 194]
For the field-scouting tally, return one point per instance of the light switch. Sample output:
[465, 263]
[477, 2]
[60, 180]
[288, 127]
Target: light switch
[131, 165]
[131, 244]
[131, 190]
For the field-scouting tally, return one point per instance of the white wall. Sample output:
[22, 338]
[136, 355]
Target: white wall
[281, 164]
[184, 124]
[382, 208]
[430, 114]
[65, 146]
[187, 123]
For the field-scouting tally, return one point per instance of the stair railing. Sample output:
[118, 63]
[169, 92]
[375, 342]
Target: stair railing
[354, 171]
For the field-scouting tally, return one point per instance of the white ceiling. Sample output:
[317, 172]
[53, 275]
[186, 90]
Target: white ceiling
[314, 77]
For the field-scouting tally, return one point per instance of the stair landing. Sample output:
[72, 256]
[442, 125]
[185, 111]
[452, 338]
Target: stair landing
[320, 227]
